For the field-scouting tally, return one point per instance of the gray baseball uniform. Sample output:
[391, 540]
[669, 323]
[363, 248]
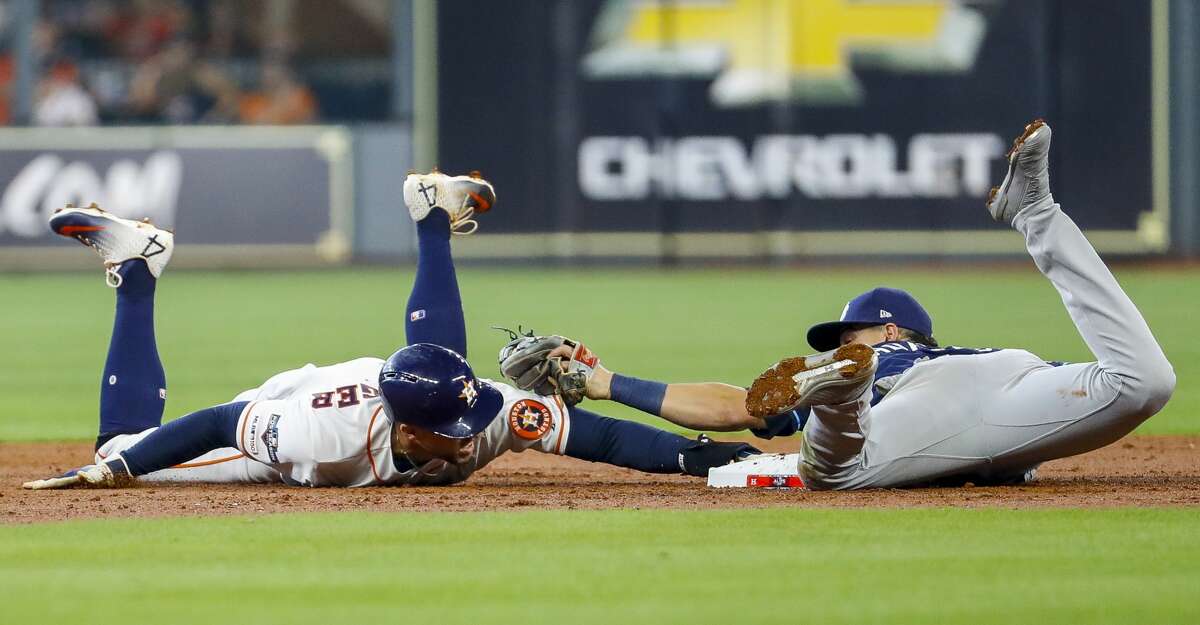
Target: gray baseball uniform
[996, 416]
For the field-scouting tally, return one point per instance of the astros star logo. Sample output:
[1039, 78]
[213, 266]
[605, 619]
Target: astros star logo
[469, 392]
[530, 419]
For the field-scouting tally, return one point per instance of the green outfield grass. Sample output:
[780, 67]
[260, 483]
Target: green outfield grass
[750, 566]
[223, 332]
[220, 333]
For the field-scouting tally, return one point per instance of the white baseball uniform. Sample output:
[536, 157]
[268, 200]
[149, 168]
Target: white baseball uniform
[996, 416]
[326, 426]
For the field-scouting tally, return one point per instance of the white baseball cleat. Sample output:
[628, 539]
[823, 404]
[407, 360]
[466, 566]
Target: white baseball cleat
[1027, 182]
[460, 196]
[833, 377]
[116, 240]
[112, 473]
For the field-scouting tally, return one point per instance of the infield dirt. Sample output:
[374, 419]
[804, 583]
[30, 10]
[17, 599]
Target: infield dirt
[1138, 471]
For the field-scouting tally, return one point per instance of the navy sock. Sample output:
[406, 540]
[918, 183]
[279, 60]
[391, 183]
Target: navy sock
[624, 443]
[435, 313]
[645, 395]
[133, 391]
[185, 438]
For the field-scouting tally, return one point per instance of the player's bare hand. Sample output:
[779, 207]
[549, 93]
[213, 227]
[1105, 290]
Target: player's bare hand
[563, 351]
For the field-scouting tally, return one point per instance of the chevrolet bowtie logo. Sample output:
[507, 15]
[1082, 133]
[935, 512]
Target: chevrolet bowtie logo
[769, 50]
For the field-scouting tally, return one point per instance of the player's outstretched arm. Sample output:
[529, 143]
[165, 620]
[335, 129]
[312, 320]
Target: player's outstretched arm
[554, 364]
[709, 406]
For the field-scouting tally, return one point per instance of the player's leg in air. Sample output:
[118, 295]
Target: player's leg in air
[133, 386]
[1003, 413]
[1131, 379]
[444, 205]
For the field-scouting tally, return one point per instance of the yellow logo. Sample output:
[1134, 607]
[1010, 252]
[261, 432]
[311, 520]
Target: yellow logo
[772, 50]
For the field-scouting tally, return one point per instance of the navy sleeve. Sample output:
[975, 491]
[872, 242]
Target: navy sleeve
[629, 444]
[185, 438]
[785, 424]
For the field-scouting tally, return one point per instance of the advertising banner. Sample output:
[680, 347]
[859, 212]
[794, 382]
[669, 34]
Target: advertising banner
[234, 196]
[827, 126]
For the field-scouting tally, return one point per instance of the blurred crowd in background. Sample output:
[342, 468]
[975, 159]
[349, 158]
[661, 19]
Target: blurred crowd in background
[203, 61]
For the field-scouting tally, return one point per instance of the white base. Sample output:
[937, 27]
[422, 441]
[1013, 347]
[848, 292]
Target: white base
[767, 470]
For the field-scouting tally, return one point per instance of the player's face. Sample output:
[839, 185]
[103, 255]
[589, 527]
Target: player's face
[424, 442]
[871, 335]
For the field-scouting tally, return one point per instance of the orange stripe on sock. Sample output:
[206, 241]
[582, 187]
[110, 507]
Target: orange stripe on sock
[193, 465]
[370, 457]
[562, 428]
[245, 417]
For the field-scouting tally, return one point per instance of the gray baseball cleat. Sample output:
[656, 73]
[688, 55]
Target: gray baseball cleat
[833, 377]
[1027, 183]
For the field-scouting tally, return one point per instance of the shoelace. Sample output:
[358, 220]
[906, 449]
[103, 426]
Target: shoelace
[111, 277]
[464, 219]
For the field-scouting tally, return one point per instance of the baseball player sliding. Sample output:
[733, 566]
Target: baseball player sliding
[884, 406]
[419, 417]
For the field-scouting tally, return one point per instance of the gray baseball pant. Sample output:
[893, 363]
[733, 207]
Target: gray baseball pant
[995, 416]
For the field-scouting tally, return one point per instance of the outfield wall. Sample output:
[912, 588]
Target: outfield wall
[815, 127]
[657, 132]
[237, 197]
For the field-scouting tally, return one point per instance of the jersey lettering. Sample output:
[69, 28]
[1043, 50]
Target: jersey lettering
[322, 400]
[347, 396]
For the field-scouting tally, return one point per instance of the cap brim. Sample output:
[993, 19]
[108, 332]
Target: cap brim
[478, 417]
[826, 336]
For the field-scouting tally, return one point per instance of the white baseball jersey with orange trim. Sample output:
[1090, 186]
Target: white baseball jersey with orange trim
[325, 426]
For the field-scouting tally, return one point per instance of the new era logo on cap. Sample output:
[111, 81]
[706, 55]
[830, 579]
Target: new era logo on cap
[883, 314]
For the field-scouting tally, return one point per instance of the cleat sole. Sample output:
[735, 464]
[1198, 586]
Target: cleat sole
[1030, 129]
[775, 391]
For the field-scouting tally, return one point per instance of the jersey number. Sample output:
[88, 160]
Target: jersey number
[344, 396]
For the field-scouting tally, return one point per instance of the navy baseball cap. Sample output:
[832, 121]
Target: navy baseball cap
[875, 307]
